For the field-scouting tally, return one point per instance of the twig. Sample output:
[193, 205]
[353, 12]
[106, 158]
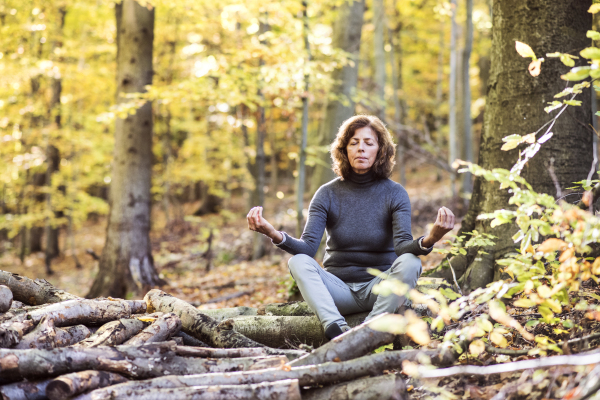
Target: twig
[587, 359]
[454, 277]
[494, 350]
[550, 167]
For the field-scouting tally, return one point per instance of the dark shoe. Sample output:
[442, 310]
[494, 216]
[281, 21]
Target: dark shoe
[334, 330]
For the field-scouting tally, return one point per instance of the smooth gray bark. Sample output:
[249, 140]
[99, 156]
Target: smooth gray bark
[114, 333]
[126, 264]
[6, 298]
[304, 134]
[385, 387]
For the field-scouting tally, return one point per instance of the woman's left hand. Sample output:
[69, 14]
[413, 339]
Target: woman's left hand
[444, 223]
[257, 223]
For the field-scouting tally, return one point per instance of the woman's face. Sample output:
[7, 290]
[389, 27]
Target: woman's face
[362, 149]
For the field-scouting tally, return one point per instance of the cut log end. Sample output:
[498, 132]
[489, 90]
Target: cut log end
[6, 298]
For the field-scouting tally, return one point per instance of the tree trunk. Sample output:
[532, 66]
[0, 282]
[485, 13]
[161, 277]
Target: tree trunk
[310, 375]
[189, 351]
[68, 313]
[138, 362]
[356, 342]
[280, 390]
[466, 64]
[385, 387]
[197, 324]
[379, 55]
[346, 36]
[452, 94]
[25, 390]
[304, 135]
[33, 292]
[6, 299]
[126, 264]
[397, 84]
[114, 333]
[70, 385]
[159, 331]
[506, 113]
[46, 336]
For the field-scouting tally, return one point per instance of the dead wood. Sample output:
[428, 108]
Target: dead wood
[143, 361]
[546, 362]
[33, 292]
[195, 323]
[310, 375]
[356, 342]
[229, 296]
[189, 340]
[11, 333]
[160, 330]
[178, 340]
[25, 390]
[6, 298]
[114, 333]
[16, 304]
[47, 336]
[70, 385]
[188, 351]
[280, 390]
[386, 387]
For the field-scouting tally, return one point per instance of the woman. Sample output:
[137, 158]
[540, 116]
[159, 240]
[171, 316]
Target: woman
[367, 220]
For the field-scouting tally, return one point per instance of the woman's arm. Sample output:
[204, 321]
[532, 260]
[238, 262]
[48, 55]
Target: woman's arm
[313, 231]
[401, 225]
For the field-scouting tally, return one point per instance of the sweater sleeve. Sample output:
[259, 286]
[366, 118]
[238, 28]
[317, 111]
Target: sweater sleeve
[313, 231]
[403, 239]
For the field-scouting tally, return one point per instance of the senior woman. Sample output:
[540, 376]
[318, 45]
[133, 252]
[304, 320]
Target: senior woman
[367, 220]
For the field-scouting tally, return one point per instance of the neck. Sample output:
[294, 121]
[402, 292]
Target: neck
[362, 177]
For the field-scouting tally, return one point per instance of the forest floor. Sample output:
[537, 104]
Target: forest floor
[233, 279]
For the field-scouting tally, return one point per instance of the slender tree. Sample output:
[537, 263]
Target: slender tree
[466, 64]
[515, 104]
[347, 31]
[452, 148]
[379, 55]
[304, 134]
[399, 105]
[126, 264]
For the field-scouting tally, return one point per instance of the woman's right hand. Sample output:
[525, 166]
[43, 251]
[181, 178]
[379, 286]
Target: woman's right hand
[257, 223]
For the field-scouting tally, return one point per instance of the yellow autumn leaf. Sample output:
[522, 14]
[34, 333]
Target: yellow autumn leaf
[552, 244]
[498, 339]
[544, 291]
[594, 8]
[477, 347]
[147, 319]
[524, 303]
[510, 145]
[524, 50]
[416, 328]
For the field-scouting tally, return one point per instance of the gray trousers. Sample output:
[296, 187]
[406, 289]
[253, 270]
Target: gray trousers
[330, 297]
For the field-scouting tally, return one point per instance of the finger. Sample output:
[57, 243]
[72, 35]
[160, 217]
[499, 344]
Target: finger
[257, 215]
[443, 216]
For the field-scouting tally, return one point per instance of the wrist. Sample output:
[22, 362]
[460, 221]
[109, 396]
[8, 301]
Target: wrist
[276, 237]
[427, 242]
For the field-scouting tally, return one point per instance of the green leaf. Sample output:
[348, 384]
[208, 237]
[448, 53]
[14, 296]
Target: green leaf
[568, 61]
[524, 303]
[593, 35]
[553, 106]
[557, 54]
[590, 52]
[577, 74]
[595, 73]
[531, 323]
[449, 293]
[572, 102]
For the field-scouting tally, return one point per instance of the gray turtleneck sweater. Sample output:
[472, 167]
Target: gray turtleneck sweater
[367, 222]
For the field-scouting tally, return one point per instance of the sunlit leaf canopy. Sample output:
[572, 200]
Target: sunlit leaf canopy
[215, 63]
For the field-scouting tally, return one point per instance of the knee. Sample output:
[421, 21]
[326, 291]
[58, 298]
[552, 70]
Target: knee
[300, 262]
[408, 263]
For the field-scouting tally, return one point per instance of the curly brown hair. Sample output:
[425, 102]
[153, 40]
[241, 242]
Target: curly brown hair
[385, 161]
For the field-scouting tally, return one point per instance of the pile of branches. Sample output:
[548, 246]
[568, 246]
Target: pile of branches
[59, 346]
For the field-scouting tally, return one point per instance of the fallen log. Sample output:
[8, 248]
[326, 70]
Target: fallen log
[195, 323]
[385, 387]
[221, 314]
[281, 332]
[16, 304]
[6, 298]
[70, 385]
[12, 333]
[159, 331]
[189, 340]
[292, 309]
[25, 390]
[310, 375]
[47, 336]
[204, 352]
[280, 390]
[354, 343]
[33, 292]
[144, 361]
[114, 333]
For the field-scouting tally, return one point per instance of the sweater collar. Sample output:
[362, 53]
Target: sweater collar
[361, 179]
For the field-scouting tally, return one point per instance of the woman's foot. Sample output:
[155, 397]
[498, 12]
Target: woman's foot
[335, 330]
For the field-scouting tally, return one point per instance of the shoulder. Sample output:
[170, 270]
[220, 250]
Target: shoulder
[394, 192]
[323, 193]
